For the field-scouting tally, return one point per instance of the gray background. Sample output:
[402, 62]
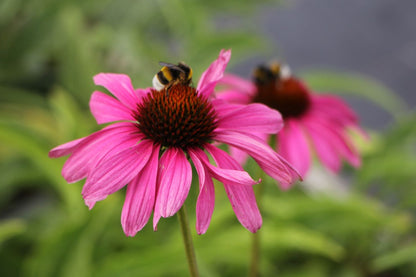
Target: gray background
[376, 38]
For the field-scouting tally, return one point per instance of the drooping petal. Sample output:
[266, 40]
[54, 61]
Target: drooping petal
[96, 146]
[140, 197]
[337, 135]
[293, 145]
[65, 149]
[239, 155]
[174, 182]
[120, 86]
[206, 198]
[250, 118]
[333, 107]
[213, 74]
[114, 173]
[242, 198]
[267, 159]
[243, 202]
[105, 108]
[348, 150]
[230, 176]
[323, 146]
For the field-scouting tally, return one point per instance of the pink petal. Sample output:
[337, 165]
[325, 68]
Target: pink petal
[242, 198]
[206, 197]
[107, 109]
[239, 155]
[233, 96]
[174, 182]
[234, 89]
[213, 74]
[293, 145]
[156, 218]
[140, 197]
[337, 134]
[120, 86]
[114, 173]
[243, 202]
[267, 159]
[348, 150]
[65, 149]
[236, 177]
[250, 118]
[96, 146]
[239, 84]
[333, 106]
[324, 146]
[142, 92]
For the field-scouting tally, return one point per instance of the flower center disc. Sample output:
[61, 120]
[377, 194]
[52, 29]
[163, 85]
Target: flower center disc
[176, 117]
[288, 96]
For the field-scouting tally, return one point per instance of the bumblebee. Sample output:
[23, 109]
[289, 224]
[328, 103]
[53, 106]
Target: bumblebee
[172, 74]
[265, 74]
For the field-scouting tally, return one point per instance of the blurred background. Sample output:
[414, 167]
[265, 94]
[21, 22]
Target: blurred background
[360, 223]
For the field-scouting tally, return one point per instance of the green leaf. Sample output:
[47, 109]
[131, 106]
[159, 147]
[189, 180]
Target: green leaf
[26, 143]
[290, 238]
[10, 228]
[403, 255]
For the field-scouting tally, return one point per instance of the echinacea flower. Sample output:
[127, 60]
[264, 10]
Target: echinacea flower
[313, 123]
[155, 136]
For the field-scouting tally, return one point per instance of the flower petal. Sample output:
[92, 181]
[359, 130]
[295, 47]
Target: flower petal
[174, 182]
[213, 74]
[250, 118]
[268, 160]
[90, 151]
[324, 146]
[242, 198]
[337, 135]
[293, 145]
[230, 176]
[114, 173]
[233, 96]
[120, 86]
[239, 84]
[330, 106]
[239, 155]
[234, 89]
[105, 108]
[206, 198]
[65, 149]
[140, 197]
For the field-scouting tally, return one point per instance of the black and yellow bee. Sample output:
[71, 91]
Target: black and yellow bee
[265, 74]
[172, 74]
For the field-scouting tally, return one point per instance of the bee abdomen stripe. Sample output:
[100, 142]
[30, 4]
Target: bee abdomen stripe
[162, 79]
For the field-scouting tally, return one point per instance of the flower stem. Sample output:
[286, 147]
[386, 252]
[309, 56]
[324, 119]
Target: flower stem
[255, 254]
[187, 240]
[255, 238]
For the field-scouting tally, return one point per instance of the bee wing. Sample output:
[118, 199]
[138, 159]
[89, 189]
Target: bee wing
[172, 66]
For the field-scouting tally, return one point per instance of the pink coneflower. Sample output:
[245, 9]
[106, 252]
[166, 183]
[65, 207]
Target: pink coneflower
[313, 123]
[157, 134]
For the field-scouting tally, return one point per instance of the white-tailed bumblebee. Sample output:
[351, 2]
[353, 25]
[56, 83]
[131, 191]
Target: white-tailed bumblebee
[265, 74]
[172, 74]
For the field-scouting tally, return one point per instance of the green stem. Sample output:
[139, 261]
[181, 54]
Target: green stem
[255, 254]
[255, 241]
[187, 240]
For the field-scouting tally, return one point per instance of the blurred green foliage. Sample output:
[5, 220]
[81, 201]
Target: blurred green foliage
[49, 52]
